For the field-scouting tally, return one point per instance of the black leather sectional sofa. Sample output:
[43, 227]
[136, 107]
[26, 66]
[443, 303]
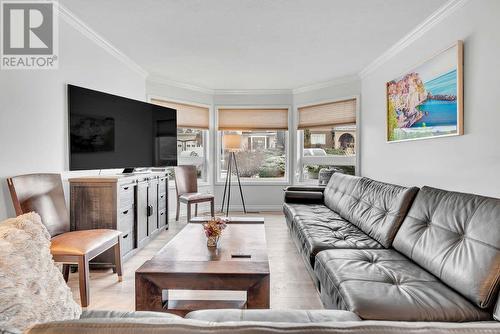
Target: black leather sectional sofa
[387, 252]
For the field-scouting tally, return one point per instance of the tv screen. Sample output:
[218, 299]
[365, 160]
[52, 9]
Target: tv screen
[109, 131]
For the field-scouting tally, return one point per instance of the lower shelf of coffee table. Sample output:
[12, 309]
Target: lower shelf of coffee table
[183, 307]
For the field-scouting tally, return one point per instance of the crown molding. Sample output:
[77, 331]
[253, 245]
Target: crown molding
[436, 17]
[326, 84]
[70, 18]
[253, 92]
[166, 81]
[443, 12]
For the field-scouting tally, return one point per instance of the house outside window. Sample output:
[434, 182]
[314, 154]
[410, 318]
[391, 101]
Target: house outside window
[262, 156]
[317, 138]
[191, 149]
[327, 139]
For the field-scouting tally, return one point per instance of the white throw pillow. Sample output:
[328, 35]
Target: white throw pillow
[32, 288]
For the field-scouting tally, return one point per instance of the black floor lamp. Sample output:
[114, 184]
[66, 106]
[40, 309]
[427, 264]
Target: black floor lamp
[232, 143]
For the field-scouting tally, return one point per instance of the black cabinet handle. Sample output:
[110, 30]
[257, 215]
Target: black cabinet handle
[125, 188]
[125, 212]
[125, 236]
[161, 214]
[150, 210]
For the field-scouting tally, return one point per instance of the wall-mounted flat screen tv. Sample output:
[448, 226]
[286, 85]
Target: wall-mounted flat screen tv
[109, 131]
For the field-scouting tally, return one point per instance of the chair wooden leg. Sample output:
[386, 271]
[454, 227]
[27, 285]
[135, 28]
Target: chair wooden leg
[83, 272]
[118, 260]
[196, 210]
[188, 212]
[65, 272]
[212, 208]
[178, 211]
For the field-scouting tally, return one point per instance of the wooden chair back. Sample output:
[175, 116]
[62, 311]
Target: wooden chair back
[43, 194]
[186, 179]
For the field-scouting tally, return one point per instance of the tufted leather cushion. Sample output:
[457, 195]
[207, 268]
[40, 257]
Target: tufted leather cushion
[456, 237]
[384, 285]
[339, 190]
[296, 211]
[317, 228]
[377, 208]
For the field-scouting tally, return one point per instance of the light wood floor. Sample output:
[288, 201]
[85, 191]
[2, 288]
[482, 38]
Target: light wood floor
[291, 285]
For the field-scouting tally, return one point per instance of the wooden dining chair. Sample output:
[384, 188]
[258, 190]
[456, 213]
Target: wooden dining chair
[186, 186]
[43, 194]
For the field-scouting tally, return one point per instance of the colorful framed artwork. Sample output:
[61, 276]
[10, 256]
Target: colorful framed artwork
[427, 102]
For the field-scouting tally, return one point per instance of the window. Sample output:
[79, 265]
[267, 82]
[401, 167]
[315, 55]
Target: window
[191, 149]
[261, 147]
[327, 139]
[318, 138]
[262, 155]
[192, 135]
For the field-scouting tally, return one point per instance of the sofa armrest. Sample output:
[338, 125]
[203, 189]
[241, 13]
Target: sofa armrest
[304, 196]
[305, 188]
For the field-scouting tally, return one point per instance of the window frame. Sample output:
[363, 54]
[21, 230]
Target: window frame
[303, 161]
[206, 179]
[198, 160]
[218, 181]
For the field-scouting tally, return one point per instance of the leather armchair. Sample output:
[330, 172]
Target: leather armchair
[43, 194]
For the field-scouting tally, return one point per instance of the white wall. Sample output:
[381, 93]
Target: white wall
[338, 91]
[33, 115]
[165, 90]
[469, 163]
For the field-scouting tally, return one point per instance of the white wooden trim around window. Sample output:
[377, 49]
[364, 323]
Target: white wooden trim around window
[207, 180]
[329, 160]
[288, 165]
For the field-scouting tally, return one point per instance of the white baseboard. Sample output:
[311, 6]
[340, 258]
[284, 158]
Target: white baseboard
[237, 208]
[259, 208]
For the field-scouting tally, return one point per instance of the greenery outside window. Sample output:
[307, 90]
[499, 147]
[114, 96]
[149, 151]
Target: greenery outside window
[262, 156]
[263, 152]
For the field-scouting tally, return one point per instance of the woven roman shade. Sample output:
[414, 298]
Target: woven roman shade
[253, 119]
[327, 114]
[188, 115]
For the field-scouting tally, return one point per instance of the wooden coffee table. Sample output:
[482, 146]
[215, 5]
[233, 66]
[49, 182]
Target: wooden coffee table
[231, 220]
[186, 263]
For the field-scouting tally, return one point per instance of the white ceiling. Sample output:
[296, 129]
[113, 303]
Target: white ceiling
[252, 44]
